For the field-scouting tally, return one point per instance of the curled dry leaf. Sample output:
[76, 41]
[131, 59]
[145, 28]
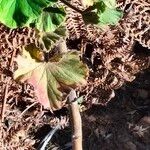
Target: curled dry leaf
[52, 80]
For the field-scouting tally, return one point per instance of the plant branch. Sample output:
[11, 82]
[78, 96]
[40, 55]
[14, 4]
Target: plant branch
[71, 6]
[76, 122]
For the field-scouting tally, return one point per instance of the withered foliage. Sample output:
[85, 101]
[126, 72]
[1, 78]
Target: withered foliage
[112, 59]
[19, 121]
[136, 21]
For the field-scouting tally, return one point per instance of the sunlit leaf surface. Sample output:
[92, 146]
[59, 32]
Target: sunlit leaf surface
[104, 13]
[110, 16]
[50, 19]
[17, 13]
[52, 80]
[110, 3]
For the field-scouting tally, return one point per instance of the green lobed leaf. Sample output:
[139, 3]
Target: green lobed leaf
[50, 25]
[110, 16]
[17, 13]
[110, 3]
[50, 19]
[50, 39]
[104, 12]
[53, 80]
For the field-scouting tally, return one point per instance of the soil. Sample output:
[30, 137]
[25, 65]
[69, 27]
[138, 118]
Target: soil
[124, 123]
